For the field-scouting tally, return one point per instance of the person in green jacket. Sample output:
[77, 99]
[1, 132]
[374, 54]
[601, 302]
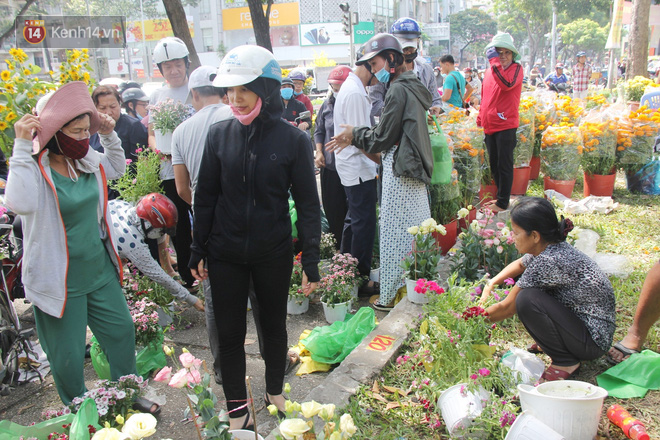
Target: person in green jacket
[402, 138]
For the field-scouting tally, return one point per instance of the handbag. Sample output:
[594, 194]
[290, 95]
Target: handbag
[442, 161]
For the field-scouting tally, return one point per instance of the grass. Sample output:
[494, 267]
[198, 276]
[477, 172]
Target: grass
[632, 230]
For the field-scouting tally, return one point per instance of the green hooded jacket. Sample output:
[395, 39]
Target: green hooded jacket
[402, 122]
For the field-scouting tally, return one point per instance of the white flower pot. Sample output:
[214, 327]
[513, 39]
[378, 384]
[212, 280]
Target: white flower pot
[163, 141]
[460, 409]
[374, 275]
[414, 297]
[294, 307]
[336, 312]
[244, 434]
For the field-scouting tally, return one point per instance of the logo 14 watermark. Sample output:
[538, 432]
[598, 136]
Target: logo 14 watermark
[66, 32]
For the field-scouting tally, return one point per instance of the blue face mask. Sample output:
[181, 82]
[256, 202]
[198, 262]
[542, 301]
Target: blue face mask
[383, 75]
[286, 93]
[297, 93]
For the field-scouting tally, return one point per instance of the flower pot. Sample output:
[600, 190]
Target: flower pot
[163, 141]
[527, 426]
[374, 275]
[464, 223]
[460, 409]
[487, 193]
[335, 312]
[294, 307]
[449, 239]
[244, 434]
[599, 185]
[520, 180]
[535, 165]
[633, 105]
[564, 187]
[414, 297]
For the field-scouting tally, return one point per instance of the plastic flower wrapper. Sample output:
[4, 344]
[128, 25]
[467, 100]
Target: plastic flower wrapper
[543, 116]
[567, 111]
[468, 155]
[561, 150]
[169, 114]
[423, 259]
[522, 154]
[598, 99]
[446, 200]
[599, 143]
[636, 138]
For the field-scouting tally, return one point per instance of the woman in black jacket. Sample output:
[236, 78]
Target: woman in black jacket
[242, 227]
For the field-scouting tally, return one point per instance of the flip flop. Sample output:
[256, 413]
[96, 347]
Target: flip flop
[627, 352]
[292, 359]
[146, 406]
[551, 374]
[534, 348]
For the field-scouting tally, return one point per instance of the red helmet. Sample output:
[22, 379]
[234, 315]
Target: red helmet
[339, 74]
[158, 210]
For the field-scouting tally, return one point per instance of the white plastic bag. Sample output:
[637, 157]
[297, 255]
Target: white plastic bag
[601, 205]
[527, 364]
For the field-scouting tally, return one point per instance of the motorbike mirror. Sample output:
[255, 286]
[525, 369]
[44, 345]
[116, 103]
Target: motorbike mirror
[305, 115]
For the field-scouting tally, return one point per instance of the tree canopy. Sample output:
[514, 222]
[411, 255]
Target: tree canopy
[583, 34]
[469, 26]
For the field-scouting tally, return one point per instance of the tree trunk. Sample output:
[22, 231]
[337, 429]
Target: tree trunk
[177, 17]
[10, 31]
[638, 49]
[260, 23]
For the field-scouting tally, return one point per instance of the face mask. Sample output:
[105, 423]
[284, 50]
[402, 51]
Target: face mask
[247, 119]
[410, 57]
[286, 93]
[383, 75]
[297, 93]
[70, 147]
[154, 233]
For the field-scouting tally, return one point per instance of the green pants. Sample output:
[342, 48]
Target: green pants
[63, 339]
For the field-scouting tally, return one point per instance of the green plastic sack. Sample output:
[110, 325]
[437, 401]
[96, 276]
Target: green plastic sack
[148, 359]
[294, 218]
[87, 415]
[331, 344]
[632, 377]
[442, 162]
[99, 360]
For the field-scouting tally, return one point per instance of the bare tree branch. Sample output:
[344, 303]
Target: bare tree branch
[9, 31]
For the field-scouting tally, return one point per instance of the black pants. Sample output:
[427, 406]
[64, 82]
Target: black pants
[334, 201]
[229, 288]
[360, 225]
[500, 147]
[183, 238]
[557, 330]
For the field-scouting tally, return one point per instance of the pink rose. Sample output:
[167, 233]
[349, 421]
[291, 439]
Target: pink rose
[500, 225]
[164, 375]
[488, 242]
[180, 379]
[186, 360]
[194, 376]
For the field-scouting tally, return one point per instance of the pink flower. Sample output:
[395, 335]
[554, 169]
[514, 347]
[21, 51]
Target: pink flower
[138, 150]
[186, 360]
[484, 372]
[488, 233]
[194, 376]
[129, 161]
[473, 376]
[164, 375]
[180, 379]
[509, 282]
[500, 225]
[488, 242]
[499, 249]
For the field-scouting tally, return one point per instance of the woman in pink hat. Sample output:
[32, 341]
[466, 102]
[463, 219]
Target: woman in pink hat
[71, 270]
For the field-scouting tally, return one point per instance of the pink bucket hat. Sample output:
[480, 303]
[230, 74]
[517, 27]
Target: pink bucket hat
[63, 105]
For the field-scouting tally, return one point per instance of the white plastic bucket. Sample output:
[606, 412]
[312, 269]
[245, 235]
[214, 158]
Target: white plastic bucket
[570, 407]
[244, 434]
[414, 297]
[374, 275]
[293, 307]
[335, 312]
[528, 427]
[460, 409]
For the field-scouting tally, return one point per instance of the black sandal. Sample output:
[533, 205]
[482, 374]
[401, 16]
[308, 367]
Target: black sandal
[146, 406]
[280, 414]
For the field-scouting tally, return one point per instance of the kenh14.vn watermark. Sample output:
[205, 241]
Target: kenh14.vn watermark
[66, 32]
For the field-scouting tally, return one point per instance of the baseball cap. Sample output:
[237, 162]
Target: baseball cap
[203, 76]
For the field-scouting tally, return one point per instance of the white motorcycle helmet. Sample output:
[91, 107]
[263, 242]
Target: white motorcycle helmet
[170, 48]
[244, 64]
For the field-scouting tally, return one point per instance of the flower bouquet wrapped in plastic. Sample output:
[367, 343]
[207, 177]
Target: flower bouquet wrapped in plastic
[567, 111]
[522, 154]
[561, 149]
[599, 143]
[636, 137]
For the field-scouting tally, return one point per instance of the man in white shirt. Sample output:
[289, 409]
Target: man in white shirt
[357, 171]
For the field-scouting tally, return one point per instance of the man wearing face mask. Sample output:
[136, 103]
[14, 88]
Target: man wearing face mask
[154, 216]
[408, 32]
[292, 107]
[135, 102]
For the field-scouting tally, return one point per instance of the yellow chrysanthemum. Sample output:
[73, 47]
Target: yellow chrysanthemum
[11, 116]
[26, 72]
[86, 76]
[51, 73]
[9, 87]
[3, 125]
[85, 51]
[5, 75]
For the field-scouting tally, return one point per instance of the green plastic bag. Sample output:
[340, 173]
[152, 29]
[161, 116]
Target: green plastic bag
[632, 377]
[148, 359]
[87, 415]
[331, 344]
[442, 161]
[294, 218]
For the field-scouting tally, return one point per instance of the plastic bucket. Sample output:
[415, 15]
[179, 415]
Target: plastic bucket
[528, 427]
[460, 409]
[335, 312]
[599, 185]
[374, 275]
[244, 434]
[448, 240]
[570, 407]
[295, 308]
[564, 187]
[487, 193]
[535, 165]
[414, 297]
[520, 180]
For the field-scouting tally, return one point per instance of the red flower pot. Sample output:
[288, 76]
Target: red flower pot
[464, 223]
[564, 187]
[520, 180]
[535, 165]
[487, 192]
[448, 240]
[599, 185]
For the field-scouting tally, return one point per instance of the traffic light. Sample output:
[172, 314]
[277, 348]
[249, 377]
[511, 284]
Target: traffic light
[346, 17]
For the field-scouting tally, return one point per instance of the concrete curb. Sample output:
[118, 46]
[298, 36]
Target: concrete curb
[363, 364]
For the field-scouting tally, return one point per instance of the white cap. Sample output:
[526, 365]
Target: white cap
[203, 76]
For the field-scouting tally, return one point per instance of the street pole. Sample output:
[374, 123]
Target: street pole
[553, 55]
[147, 67]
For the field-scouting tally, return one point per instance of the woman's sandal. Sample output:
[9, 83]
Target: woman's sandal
[146, 406]
[551, 374]
[280, 414]
[534, 348]
[625, 351]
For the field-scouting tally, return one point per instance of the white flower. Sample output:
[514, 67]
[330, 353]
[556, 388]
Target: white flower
[327, 411]
[109, 434]
[424, 230]
[310, 409]
[413, 230]
[499, 249]
[293, 428]
[505, 231]
[346, 425]
[441, 229]
[463, 212]
[140, 425]
[429, 223]
[335, 436]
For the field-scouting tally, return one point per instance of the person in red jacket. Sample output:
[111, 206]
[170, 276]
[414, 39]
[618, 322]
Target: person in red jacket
[498, 115]
[298, 79]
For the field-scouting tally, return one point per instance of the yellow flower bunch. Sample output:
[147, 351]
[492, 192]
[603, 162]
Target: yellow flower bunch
[561, 148]
[454, 117]
[599, 145]
[522, 154]
[568, 111]
[75, 68]
[636, 87]
[636, 136]
[596, 100]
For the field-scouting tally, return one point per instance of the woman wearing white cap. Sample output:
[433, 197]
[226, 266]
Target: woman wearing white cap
[242, 226]
[71, 270]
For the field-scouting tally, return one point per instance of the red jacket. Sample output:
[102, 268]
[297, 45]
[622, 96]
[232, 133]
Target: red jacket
[500, 97]
[305, 100]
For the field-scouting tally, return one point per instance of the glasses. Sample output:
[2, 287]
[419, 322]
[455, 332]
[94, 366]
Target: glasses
[506, 53]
